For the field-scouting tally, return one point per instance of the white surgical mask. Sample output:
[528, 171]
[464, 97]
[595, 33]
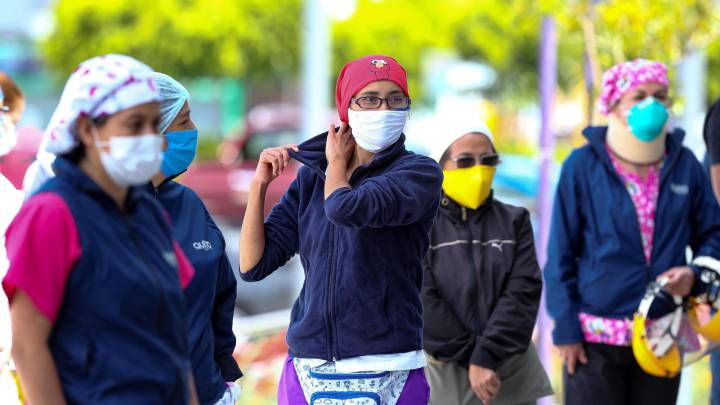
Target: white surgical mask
[376, 130]
[132, 160]
[8, 136]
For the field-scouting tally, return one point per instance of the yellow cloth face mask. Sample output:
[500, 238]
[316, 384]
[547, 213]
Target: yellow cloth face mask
[469, 187]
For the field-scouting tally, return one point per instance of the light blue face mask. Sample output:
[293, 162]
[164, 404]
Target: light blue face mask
[180, 152]
[647, 119]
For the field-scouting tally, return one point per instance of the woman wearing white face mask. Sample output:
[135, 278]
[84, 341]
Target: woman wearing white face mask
[95, 280]
[12, 105]
[359, 214]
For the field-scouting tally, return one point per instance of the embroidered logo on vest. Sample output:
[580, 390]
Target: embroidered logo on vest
[202, 245]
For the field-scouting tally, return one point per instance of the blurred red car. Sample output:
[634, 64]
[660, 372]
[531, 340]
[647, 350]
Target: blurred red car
[14, 164]
[223, 185]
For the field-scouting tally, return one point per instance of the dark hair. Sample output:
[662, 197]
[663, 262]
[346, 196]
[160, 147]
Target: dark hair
[79, 151]
[446, 155]
[76, 154]
[100, 121]
[13, 94]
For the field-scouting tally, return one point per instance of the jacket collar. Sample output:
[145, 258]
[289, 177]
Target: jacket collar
[164, 185]
[69, 171]
[312, 154]
[460, 213]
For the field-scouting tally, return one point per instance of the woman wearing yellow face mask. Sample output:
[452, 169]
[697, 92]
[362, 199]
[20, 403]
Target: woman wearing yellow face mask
[482, 285]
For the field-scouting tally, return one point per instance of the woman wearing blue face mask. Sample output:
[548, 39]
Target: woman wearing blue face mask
[628, 204]
[210, 297]
[96, 281]
[359, 214]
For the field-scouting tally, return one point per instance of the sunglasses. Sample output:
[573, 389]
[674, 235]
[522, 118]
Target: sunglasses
[466, 161]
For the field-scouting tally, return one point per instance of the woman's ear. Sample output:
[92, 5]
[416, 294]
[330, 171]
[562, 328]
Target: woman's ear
[84, 131]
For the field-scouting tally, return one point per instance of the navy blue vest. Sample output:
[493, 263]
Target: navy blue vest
[210, 297]
[120, 336]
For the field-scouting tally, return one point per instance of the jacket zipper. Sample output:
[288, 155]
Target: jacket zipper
[155, 280]
[473, 271]
[164, 301]
[663, 179]
[329, 299]
[158, 287]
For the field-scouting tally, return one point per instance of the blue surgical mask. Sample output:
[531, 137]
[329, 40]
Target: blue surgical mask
[647, 119]
[180, 152]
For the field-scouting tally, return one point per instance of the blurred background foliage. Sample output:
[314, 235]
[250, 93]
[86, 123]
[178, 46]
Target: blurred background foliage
[259, 41]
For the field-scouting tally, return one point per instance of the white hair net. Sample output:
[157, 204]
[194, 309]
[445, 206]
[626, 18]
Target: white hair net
[172, 98]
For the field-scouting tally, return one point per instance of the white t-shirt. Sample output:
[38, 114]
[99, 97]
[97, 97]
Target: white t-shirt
[375, 362]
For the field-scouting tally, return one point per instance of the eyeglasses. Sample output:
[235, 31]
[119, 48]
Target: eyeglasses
[662, 98]
[373, 103]
[466, 161]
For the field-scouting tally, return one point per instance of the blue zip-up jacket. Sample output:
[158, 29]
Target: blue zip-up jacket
[210, 296]
[595, 260]
[361, 249]
[121, 334]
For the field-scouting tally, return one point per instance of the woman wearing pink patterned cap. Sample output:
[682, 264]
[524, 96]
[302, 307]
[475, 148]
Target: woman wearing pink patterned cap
[628, 204]
[96, 280]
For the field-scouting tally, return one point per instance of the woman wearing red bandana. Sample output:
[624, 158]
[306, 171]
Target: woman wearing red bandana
[359, 214]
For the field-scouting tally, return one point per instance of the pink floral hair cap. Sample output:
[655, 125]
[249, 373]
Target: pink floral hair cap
[623, 77]
[101, 86]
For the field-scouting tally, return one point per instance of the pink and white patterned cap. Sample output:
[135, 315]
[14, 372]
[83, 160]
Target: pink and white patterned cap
[101, 86]
[623, 77]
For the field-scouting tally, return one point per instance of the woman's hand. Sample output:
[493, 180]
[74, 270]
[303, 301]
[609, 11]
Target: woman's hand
[680, 280]
[572, 354]
[272, 163]
[484, 382]
[340, 145]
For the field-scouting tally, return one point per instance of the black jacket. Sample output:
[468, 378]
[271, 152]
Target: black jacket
[482, 284]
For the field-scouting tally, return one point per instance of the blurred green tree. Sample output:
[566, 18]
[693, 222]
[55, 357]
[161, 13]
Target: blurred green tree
[506, 35]
[260, 40]
[404, 29]
[664, 30]
[615, 31]
[185, 38]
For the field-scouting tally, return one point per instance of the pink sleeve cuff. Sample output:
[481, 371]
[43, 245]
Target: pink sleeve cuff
[43, 247]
